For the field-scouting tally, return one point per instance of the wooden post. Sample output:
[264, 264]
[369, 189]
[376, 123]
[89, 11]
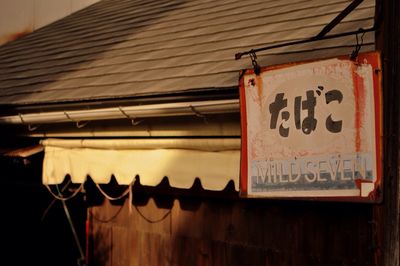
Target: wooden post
[387, 215]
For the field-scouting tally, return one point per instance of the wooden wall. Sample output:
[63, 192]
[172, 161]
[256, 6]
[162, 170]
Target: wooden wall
[212, 230]
[35, 230]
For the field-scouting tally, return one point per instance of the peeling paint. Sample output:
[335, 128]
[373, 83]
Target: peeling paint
[324, 163]
[259, 84]
[359, 96]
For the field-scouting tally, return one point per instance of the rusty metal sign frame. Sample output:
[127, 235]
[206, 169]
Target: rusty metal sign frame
[366, 179]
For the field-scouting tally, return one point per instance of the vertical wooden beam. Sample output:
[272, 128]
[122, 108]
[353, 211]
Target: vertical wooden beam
[387, 215]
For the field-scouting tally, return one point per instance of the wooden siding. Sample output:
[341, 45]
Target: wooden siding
[230, 231]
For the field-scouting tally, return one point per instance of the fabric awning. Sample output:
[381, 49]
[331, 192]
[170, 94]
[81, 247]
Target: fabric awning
[214, 161]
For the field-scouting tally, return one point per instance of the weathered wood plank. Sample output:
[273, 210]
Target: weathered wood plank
[211, 231]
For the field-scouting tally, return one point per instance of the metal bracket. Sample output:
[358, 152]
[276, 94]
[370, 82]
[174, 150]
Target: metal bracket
[134, 123]
[30, 127]
[198, 114]
[79, 124]
[321, 35]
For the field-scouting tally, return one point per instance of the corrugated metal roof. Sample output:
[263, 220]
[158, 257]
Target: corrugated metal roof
[127, 48]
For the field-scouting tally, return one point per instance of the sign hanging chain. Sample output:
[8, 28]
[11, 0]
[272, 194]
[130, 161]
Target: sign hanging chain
[256, 66]
[354, 54]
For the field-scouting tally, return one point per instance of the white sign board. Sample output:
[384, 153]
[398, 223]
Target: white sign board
[313, 130]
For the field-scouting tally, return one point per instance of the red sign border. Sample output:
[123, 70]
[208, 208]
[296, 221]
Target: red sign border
[376, 196]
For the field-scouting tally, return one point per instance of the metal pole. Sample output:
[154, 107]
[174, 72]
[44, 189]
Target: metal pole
[312, 39]
[81, 260]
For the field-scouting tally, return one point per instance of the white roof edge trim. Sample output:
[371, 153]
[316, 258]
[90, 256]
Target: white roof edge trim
[197, 108]
[214, 161]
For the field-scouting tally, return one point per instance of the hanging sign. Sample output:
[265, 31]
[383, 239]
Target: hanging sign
[313, 130]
